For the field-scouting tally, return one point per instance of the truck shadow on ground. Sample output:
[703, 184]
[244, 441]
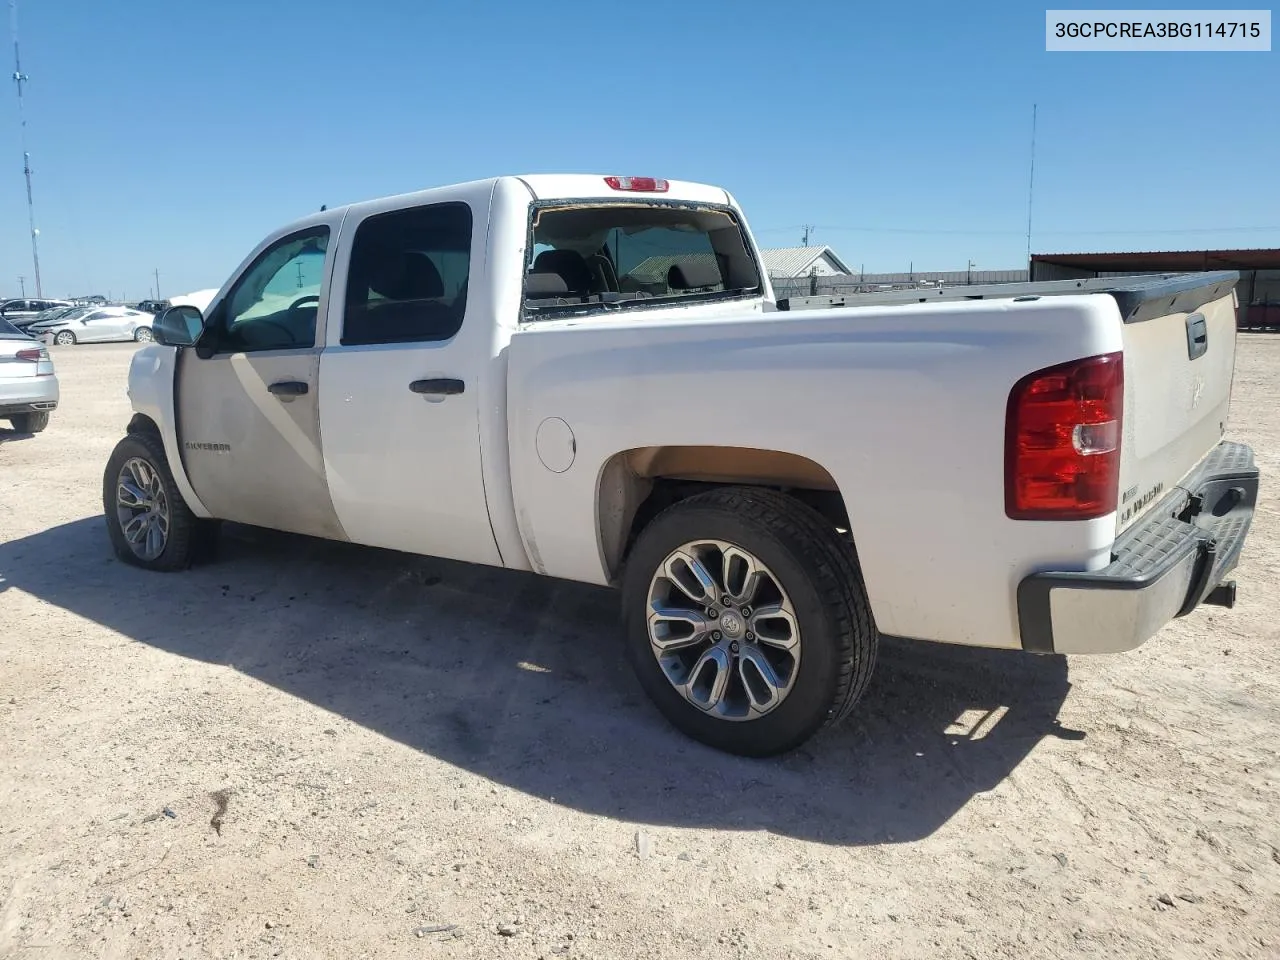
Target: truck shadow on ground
[520, 679]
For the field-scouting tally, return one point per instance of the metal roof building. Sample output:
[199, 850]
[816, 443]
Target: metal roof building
[784, 263]
[792, 262]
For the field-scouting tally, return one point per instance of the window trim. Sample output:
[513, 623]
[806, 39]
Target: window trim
[215, 327]
[343, 340]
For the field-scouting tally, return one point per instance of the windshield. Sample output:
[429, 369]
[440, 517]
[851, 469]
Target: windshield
[74, 313]
[54, 313]
[593, 256]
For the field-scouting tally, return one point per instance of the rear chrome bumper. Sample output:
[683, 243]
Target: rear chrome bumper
[1161, 568]
[27, 395]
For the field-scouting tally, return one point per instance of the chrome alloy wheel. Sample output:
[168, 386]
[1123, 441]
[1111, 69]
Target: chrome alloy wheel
[142, 508]
[723, 630]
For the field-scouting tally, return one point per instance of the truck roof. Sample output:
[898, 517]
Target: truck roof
[542, 186]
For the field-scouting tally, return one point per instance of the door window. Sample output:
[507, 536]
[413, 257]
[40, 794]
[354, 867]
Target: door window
[274, 304]
[408, 276]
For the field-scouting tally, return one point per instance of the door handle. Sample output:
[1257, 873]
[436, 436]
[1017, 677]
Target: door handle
[288, 388]
[445, 386]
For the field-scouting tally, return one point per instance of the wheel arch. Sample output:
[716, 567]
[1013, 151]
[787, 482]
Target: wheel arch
[635, 485]
[141, 423]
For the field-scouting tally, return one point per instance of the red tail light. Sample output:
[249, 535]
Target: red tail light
[34, 355]
[637, 184]
[1062, 445]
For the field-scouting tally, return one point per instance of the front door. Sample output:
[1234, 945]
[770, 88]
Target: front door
[248, 416]
[400, 405]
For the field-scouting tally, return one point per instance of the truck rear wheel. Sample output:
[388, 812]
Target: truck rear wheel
[746, 620]
[149, 523]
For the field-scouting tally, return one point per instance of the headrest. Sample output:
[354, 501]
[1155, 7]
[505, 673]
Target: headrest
[569, 264]
[691, 274]
[406, 276]
[537, 285]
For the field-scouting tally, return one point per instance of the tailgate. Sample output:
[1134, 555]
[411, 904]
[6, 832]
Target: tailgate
[1179, 360]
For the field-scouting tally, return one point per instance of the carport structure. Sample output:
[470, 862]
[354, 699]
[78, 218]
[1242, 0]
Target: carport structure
[1258, 291]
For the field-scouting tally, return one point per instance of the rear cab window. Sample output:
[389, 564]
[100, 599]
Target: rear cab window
[595, 256]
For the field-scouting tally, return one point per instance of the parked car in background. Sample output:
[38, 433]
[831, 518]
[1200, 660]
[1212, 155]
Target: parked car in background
[28, 384]
[24, 307]
[152, 306]
[57, 313]
[97, 325]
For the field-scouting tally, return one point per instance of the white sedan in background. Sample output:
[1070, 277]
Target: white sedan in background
[28, 384]
[97, 325]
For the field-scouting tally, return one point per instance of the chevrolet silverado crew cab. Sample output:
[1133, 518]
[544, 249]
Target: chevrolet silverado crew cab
[589, 377]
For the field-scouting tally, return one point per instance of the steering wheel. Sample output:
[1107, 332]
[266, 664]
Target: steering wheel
[293, 307]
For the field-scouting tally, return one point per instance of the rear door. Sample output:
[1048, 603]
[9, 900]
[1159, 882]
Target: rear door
[399, 407]
[1178, 369]
[127, 321]
[105, 325]
[248, 421]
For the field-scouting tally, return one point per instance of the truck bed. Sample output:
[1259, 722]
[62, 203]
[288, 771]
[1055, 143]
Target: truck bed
[1138, 297]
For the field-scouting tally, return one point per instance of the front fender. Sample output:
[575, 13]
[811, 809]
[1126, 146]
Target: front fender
[152, 380]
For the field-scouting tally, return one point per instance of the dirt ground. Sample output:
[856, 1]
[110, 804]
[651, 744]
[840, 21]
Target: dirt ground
[308, 750]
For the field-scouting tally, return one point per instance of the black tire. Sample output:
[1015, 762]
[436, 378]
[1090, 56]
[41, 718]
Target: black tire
[32, 422]
[190, 537]
[143, 335]
[820, 573]
[64, 343]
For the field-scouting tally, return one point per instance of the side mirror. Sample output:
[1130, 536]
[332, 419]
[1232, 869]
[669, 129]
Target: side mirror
[178, 326]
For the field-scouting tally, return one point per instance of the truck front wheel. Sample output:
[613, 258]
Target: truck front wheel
[747, 622]
[149, 523]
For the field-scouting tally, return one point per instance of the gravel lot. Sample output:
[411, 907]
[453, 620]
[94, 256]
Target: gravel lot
[403, 745]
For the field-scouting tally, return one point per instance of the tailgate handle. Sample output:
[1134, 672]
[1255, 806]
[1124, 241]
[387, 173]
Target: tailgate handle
[1197, 336]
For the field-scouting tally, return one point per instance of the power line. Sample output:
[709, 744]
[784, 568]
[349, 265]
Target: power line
[20, 78]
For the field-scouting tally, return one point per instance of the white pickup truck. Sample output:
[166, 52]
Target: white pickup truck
[589, 377]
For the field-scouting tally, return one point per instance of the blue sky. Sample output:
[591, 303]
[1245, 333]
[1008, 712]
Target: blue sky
[174, 135]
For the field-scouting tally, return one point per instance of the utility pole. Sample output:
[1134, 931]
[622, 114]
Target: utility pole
[1031, 186]
[20, 78]
[22, 282]
[299, 265]
[156, 271]
[807, 229]
[969, 277]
